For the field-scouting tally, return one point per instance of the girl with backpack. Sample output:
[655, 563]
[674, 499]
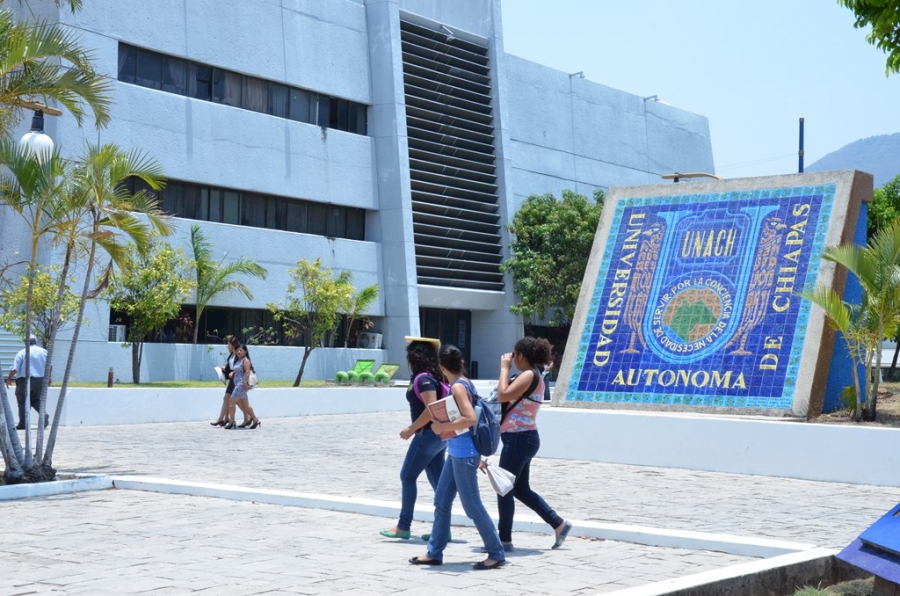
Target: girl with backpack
[521, 400]
[460, 474]
[426, 450]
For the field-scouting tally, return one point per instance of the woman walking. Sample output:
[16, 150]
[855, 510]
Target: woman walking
[460, 473]
[521, 400]
[242, 368]
[426, 450]
[228, 371]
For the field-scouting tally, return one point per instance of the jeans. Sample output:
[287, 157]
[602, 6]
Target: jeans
[460, 474]
[425, 453]
[37, 383]
[518, 451]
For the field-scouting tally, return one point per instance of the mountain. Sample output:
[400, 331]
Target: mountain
[879, 155]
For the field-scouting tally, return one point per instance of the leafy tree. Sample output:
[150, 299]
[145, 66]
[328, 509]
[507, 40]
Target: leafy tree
[314, 302]
[213, 278]
[884, 17]
[877, 266]
[550, 247]
[44, 61]
[884, 208]
[150, 290]
[45, 317]
[359, 302]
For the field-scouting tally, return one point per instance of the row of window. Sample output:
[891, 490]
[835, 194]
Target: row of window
[209, 83]
[250, 325]
[210, 203]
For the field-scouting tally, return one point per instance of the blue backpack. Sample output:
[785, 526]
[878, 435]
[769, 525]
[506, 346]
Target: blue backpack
[486, 432]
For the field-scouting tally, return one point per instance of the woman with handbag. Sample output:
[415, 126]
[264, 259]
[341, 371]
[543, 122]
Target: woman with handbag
[228, 373]
[460, 473]
[521, 400]
[426, 450]
[242, 369]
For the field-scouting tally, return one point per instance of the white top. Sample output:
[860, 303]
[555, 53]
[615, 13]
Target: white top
[38, 362]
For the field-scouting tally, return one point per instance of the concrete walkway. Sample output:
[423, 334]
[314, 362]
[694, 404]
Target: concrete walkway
[124, 541]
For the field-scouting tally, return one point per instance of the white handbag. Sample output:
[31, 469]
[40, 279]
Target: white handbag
[502, 480]
[252, 380]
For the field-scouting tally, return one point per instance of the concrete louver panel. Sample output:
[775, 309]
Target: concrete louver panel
[450, 131]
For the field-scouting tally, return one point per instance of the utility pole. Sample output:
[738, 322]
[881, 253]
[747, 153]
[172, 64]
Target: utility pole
[800, 153]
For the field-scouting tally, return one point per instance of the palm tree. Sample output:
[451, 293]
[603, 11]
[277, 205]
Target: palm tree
[30, 187]
[43, 61]
[358, 303]
[102, 212]
[877, 267]
[214, 278]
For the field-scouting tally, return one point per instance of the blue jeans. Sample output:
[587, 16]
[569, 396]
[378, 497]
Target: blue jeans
[460, 474]
[518, 451]
[425, 453]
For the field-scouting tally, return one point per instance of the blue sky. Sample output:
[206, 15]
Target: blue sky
[752, 67]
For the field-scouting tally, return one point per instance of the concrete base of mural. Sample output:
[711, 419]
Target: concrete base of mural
[691, 299]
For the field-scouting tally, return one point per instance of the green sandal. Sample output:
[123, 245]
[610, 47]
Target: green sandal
[404, 534]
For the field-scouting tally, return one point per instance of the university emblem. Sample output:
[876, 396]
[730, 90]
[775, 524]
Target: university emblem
[697, 301]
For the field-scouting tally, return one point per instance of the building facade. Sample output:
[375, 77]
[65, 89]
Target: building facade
[393, 139]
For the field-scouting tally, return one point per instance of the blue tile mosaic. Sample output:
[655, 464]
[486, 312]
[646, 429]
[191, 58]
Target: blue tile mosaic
[697, 299]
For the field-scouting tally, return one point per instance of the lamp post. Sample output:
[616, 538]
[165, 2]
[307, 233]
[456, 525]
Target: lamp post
[36, 141]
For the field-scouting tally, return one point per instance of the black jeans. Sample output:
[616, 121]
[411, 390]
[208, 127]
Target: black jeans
[37, 383]
[518, 451]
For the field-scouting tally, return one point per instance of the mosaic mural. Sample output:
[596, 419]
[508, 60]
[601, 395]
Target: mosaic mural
[696, 300]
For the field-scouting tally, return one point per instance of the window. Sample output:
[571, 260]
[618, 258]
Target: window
[276, 214]
[316, 223]
[336, 225]
[193, 207]
[356, 224]
[200, 82]
[324, 110]
[174, 75]
[227, 87]
[149, 69]
[256, 95]
[127, 62]
[253, 210]
[232, 207]
[278, 100]
[296, 216]
[300, 106]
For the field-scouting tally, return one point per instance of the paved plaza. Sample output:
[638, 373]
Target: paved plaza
[136, 542]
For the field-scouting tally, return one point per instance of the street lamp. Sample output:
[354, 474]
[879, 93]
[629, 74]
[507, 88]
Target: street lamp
[36, 141]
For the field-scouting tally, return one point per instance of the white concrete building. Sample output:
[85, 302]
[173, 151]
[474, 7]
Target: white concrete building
[394, 139]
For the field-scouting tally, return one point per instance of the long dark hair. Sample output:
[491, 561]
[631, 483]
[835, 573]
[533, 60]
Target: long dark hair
[422, 357]
[536, 350]
[452, 359]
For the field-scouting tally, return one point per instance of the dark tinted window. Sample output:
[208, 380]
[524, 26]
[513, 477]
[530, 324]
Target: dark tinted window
[149, 69]
[356, 224]
[316, 222]
[300, 106]
[127, 62]
[278, 100]
[337, 225]
[256, 95]
[253, 210]
[174, 75]
[200, 82]
[227, 87]
[231, 211]
[296, 216]
[276, 214]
